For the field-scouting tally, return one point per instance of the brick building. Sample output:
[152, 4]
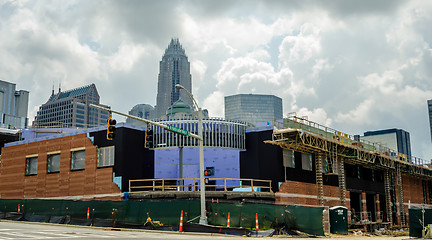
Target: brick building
[77, 165]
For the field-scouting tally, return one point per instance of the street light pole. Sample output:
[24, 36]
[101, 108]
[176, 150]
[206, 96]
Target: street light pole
[203, 217]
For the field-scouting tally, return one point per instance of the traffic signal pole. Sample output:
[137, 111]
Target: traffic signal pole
[143, 120]
[203, 217]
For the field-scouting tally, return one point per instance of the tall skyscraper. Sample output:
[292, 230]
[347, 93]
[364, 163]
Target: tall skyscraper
[253, 108]
[430, 115]
[13, 106]
[173, 69]
[71, 109]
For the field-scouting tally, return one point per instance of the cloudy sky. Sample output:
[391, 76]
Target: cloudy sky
[352, 65]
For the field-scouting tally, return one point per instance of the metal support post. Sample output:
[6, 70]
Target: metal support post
[203, 217]
[181, 168]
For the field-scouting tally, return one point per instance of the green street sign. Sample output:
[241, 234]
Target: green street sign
[178, 130]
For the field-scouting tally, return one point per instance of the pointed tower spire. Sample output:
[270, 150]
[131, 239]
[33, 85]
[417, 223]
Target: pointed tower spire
[174, 69]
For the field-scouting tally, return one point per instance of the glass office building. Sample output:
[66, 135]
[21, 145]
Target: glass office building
[253, 108]
[71, 109]
[13, 106]
[394, 139]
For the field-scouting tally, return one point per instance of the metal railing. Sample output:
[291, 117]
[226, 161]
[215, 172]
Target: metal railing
[304, 124]
[192, 185]
[216, 133]
[365, 217]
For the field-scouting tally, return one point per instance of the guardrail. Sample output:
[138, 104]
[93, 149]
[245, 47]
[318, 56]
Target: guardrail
[306, 125]
[192, 184]
[365, 217]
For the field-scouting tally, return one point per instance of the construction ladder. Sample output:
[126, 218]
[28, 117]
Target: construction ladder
[388, 196]
[332, 163]
[400, 193]
[342, 181]
[319, 179]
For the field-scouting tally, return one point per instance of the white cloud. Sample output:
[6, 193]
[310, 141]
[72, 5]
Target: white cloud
[321, 65]
[213, 103]
[356, 67]
[126, 56]
[317, 115]
[358, 116]
[198, 71]
[386, 83]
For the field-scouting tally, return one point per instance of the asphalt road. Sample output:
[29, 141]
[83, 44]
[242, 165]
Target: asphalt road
[26, 231]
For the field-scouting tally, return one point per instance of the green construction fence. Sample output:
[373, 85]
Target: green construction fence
[167, 212]
[418, 218]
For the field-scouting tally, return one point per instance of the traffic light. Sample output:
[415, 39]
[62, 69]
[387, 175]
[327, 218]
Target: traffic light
[209, 171]
[148, 138]
[111, 128]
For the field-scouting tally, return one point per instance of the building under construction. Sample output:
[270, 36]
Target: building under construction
[294, 162]
[375, 183]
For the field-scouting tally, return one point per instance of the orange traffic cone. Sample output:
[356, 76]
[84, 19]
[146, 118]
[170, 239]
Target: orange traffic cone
[181, 222]
[88, 213]
[19, 208]
[256, 222]
[228, 221]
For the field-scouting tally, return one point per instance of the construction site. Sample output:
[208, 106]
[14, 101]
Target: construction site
[398, 181]
[277, 174]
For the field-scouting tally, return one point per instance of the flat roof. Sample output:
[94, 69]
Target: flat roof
[64, 132]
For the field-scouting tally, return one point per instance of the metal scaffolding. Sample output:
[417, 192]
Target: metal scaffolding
[301, 135]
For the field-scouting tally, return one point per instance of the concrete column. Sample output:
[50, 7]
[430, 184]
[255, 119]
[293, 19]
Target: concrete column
[364, 207]
[378, 208]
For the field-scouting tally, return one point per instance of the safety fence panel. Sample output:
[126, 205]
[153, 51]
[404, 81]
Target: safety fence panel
[417, 219]
[128, 211]
[305, 219]
[165, 212]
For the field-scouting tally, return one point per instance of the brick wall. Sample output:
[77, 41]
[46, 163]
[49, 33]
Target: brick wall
[412, 193]
[305, 194]
[85, 183]
[412, 189]
[301, 193]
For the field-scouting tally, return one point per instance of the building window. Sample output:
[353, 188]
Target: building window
[106, 157]
[78, 160]
[307, 161]
[31, 166]
[288, 158]
[54, 163]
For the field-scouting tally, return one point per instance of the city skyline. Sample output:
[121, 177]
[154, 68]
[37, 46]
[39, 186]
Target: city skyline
[353, 66]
